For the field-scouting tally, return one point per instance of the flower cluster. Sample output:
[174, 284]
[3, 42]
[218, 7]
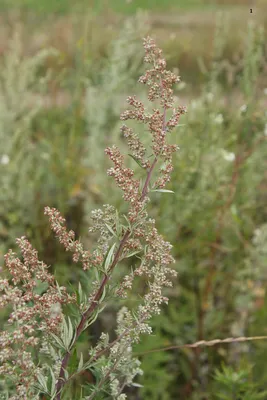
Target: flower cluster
[124, 179]
[153, 252]
[159, 82]
[67, 238]
[123, 176]
[154, 265]
[32, 313]
[136, 146]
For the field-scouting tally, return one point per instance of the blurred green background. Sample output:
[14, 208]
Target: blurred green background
[66, 70]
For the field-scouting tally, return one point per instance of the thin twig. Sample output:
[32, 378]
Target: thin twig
[205, 343]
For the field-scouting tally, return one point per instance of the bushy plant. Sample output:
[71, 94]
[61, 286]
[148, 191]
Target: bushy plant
[37, 347]
[231, 384]
[216, 217]
[20, 102]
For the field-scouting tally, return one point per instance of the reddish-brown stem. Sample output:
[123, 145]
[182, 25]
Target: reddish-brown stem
[89, 311]
[61, 380]
[145, 188]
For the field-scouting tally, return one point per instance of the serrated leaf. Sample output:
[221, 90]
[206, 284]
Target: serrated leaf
[136, 160]
[162, 190]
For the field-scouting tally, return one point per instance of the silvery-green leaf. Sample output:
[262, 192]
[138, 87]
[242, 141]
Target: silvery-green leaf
[66, 374]
[111, 230]
[80, 366]
[128, 222]
[58, 341]
[100, 309]
[136, 160]
[42, 381]
[67, 334]
[72, 333]
[91, 320]
[103, 295]
[58, 287]
[162, 190]
[133, 253]
[109, 257]
[97, 274]
[135, 384]
[118, 224]
[53, 382]
[80, 292]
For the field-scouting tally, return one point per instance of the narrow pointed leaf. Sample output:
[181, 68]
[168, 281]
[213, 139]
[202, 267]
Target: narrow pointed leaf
[111, 230]
[109, 257]
[136, 160]
[162, 190]
[133, 253]
[80, 366]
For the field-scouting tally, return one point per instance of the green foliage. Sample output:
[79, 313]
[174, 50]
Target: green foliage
[234, 385]
[215, 217]
[121, 6]
[20, 94]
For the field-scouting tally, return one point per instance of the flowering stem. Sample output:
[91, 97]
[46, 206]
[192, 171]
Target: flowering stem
[61, 380]
[88, 312]
[140, 229]
[85, 316]
[105, 377]
[145, 188]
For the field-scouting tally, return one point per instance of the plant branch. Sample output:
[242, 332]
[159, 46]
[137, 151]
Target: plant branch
[94, 303]
[61, 381]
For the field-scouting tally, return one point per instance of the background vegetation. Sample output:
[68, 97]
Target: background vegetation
[65, 71]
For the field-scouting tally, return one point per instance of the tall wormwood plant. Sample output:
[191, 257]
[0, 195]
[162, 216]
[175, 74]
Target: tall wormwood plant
[38, 349]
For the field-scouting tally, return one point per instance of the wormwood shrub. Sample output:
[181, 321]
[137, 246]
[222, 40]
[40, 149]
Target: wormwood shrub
[38, 348]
